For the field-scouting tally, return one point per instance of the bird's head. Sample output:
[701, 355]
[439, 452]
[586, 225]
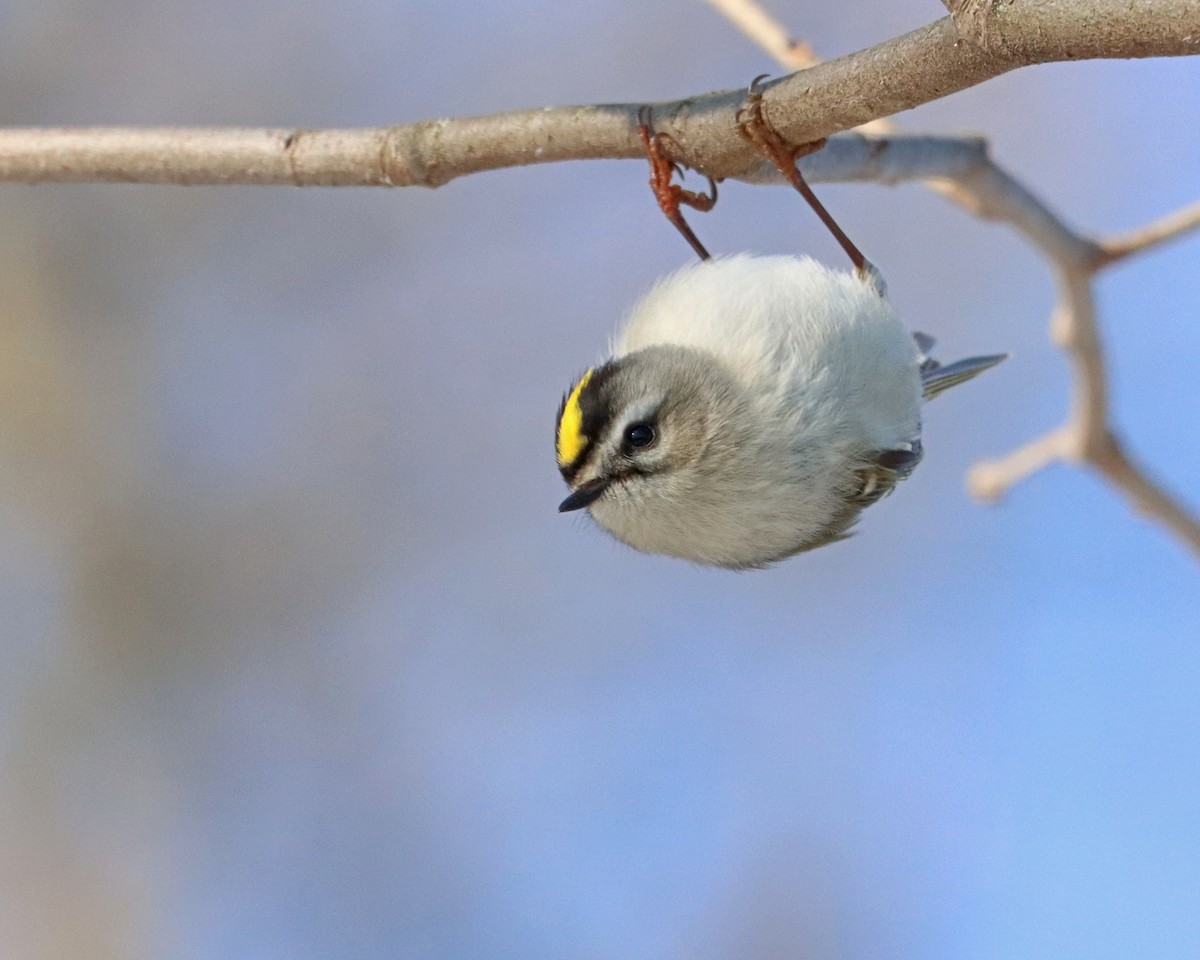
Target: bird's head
[635, 428]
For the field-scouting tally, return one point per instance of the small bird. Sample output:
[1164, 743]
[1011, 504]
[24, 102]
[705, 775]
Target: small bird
[753, 406]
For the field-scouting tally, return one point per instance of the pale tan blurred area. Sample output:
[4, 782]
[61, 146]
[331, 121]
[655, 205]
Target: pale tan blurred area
[129, 585]
[147, 589]
[62, 899]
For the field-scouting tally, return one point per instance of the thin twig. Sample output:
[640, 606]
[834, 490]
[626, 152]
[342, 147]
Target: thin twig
[991, 479]
[763, 29]
[1151, 235]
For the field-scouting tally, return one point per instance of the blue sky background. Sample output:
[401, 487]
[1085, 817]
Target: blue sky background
[300, 661]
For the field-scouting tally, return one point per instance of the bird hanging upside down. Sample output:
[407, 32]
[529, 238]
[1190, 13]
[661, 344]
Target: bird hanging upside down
[753, 406]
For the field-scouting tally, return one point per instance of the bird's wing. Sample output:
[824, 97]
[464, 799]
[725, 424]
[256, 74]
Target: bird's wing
[876, 480]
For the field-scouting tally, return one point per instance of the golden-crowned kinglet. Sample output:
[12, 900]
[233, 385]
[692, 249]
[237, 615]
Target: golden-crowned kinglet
[752, 406]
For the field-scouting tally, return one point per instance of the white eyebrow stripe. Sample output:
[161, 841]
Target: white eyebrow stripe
[646, 409]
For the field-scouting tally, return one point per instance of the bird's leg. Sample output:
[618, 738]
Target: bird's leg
[670, 196]
[754, 126]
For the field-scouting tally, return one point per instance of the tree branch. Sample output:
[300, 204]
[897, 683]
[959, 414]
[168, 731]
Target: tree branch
[899, 74]
[1026, 29]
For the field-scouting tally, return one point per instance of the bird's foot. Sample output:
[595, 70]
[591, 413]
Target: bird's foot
[754, 126]
[670, 196]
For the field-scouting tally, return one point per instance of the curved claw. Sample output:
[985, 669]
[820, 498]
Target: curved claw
[700, 201]
[750, 114]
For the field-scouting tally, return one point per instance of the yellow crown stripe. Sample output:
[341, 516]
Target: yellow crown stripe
[571, 440]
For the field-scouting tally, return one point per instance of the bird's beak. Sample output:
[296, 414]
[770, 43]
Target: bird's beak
[586, 494]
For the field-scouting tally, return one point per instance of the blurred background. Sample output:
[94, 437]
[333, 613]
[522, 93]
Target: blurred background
[299, 660]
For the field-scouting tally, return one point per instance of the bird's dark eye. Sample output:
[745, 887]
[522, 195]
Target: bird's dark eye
[639, 435]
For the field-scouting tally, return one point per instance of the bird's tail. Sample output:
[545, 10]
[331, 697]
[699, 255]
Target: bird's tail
[936, 377]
